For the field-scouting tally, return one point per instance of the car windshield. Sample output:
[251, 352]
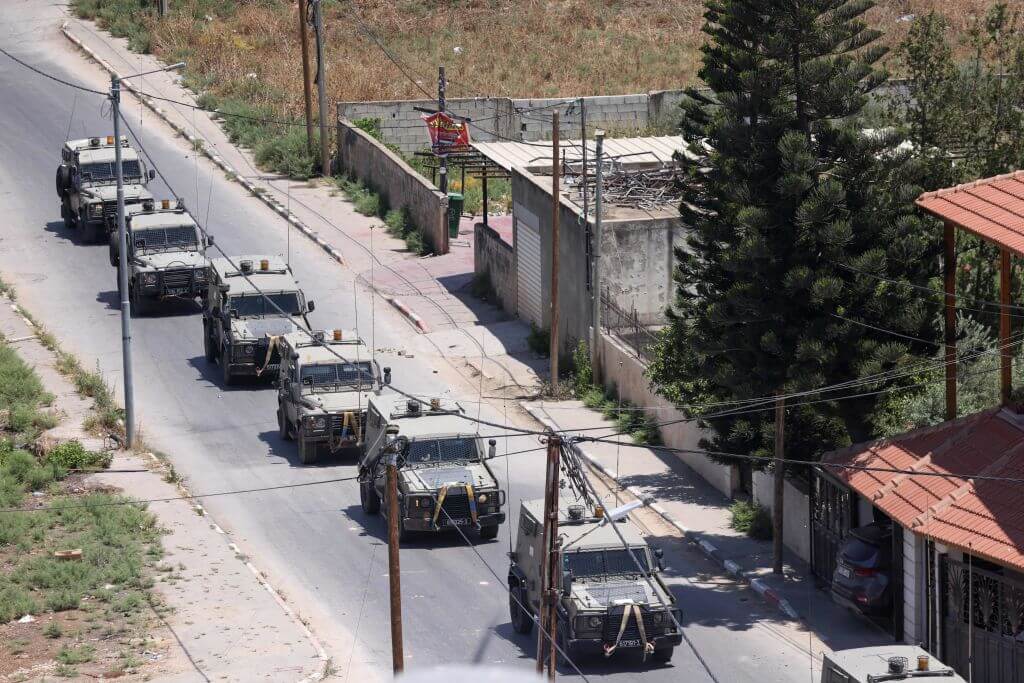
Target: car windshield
[177, 238]
[596, 563]
[327, 376]
[105, 170]
[433, 451]
[247, 305]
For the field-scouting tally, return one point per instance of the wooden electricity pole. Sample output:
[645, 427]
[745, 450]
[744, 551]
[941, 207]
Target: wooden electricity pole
[550, 564]
[780, 483]
[394, 569]
[307, 86]
[321, 87]
[556, 204]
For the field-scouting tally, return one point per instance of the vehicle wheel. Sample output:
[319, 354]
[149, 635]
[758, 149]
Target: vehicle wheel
[663, 654]
[139, 303]
[520, 616]
[65, 213]
[368, 498]
[282, 425]
[225, 368]
[489, 533]
[209, 350]
[307, 451]
[90, 232]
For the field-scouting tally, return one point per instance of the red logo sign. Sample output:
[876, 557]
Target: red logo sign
[446, 133]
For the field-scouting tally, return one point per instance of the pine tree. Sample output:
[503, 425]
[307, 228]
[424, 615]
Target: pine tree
[790, 207]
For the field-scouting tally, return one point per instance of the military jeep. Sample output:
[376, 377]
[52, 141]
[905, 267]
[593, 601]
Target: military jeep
[166, 255]
[444, 480]
[250, 301]
[605, 602]
[321, 399]
[87, 184]
[884, 663]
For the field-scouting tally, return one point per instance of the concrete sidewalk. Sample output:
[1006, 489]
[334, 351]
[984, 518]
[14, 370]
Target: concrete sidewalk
[701, 513]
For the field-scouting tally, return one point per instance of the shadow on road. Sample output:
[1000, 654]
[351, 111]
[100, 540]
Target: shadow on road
[376, 526]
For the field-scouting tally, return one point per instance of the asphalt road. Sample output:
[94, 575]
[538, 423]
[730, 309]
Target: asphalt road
[315, 543]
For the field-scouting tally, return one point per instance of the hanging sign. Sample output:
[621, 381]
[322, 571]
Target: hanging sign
[446, 133]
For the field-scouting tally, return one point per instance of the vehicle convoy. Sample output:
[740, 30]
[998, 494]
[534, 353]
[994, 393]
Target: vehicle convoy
[606, 603]
[251, 301]
[321, 398]
[86, 184]
[884, 663]
[166, 255]
[444, 480]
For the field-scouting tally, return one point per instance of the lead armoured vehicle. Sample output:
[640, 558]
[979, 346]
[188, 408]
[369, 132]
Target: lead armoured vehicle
[166, 255]
[606, 603]
[444, 480]
[323, 385]
[251, 301]
[86, 184]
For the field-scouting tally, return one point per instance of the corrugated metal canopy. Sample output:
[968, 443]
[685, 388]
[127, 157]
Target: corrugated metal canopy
[648, 150]
[992, 208]
[982, 517]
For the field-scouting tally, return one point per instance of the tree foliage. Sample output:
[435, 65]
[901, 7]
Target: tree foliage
[789, 205]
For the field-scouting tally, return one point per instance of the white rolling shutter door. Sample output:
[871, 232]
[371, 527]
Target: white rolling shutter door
[528, 266]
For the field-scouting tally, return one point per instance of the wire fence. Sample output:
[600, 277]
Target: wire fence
[637, 337]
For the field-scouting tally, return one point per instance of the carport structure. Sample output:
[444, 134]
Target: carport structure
[992, 209]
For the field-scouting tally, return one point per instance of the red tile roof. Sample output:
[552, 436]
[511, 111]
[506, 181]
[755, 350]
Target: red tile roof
[985, 518]
[992, 208]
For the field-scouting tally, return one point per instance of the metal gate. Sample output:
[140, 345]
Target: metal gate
[528, 266]
[982, 628]
[832, 517]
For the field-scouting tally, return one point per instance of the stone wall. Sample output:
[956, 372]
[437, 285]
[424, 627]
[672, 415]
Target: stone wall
[637, 259]
[362, 157]
[796, 519]
[495, 257]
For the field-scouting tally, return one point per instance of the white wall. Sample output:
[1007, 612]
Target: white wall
[796, 519]
[914, 595]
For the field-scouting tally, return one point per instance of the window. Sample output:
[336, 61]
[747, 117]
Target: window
[105, 170]
[606, 562]
[177, 238]
[246, 305]
[442, 450]
[335, 374]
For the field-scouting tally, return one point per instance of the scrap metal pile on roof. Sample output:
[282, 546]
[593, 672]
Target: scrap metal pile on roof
[642, 189]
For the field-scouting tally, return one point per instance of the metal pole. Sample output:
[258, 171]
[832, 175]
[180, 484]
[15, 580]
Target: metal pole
[949, 277]
[442, 86]
[122, 270]
[595, 253]
[307, 86]
[1005, 352]
[321, 86]
[586, 190]
[556, 205]
[161, 7]
[394, 571]
[548, 620]
[780, 483]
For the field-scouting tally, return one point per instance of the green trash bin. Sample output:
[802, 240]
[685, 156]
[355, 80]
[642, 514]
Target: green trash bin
[455, 204]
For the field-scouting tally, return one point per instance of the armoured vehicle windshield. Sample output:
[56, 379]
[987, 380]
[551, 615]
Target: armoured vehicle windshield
[156, 240]
[434, 451]
[246, 305]
[599, 563]
[331, 376]
[99, 171]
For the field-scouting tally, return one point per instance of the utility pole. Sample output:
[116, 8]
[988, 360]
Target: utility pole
[161, 8]
[394, 570]
[595, 254]
[307, 86]
[442, 88]
[556, 204]
[780, 483]
[550, 564]
[321, 86]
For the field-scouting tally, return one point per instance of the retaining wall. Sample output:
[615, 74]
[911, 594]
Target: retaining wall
[796, 519]
[364, 158]
[496, 257]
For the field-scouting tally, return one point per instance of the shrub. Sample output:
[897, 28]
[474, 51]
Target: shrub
[76, 655]
[539, 341]
[53, 630]
[583, 377]
[72, 455]
[751, 519]
[15, 602]
[287, 154]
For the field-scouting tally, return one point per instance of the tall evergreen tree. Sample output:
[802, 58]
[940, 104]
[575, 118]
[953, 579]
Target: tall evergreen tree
[790, 207]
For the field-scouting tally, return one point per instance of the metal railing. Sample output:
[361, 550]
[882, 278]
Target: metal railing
[625, 325]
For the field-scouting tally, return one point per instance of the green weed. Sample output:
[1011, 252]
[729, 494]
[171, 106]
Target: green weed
[751, 519]
[72, 455]
[53, 630]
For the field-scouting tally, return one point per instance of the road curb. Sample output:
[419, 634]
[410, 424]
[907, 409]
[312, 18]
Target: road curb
[198, 145]
[733, 569]
[408, 313]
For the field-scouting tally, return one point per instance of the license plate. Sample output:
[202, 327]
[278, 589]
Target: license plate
[844, 572]
[458, 522]
[629, 643]
[177, 291]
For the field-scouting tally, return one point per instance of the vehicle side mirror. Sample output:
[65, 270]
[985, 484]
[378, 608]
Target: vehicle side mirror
[152, 174]
[310, 306]
[492, 448]
[659, 558]
[234, 313]
[224, 289]
[387, 375]
[209, 241]
[567, 582]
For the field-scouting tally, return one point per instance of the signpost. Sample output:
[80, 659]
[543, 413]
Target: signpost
[446, 133]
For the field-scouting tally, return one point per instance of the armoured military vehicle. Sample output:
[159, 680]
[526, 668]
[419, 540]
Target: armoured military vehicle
[606, 603]
[251, 301]
[321, 398]
[166, 255]
[86, 184]
[444, 480]
[884, 663]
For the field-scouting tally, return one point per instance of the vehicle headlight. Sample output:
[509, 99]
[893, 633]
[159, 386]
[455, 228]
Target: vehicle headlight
[482, 498]
[149, 279]
[201, 274]
[96, 209]
[658, 618]
[320, 422]
[245, 349]
[588, 623]
[594, 622]
[425, 502]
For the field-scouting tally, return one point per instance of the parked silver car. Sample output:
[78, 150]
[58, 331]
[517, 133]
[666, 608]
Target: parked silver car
[862, 579]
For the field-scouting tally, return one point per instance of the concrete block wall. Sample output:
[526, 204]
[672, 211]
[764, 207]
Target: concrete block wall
[622, 370]
[364, 158]
[637, 259]
[796, 520]
[495, 257]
